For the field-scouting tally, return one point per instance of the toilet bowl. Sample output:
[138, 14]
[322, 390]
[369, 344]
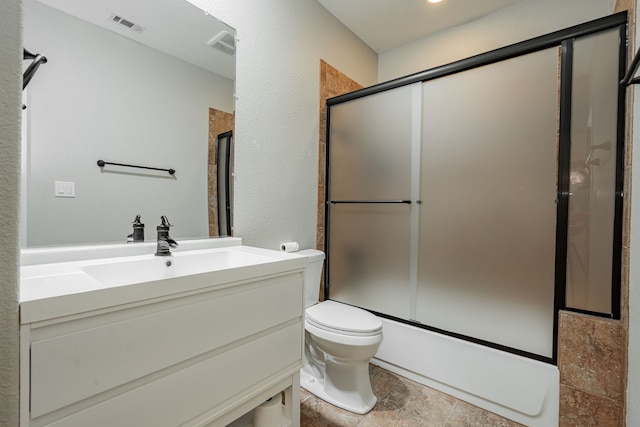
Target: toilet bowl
[340, 340]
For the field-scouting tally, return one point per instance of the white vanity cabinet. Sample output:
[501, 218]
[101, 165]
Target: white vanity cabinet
[199, 357]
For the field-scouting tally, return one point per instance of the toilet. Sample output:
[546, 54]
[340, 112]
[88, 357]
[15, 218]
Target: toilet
[339, 342]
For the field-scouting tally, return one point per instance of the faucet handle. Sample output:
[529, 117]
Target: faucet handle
[165, 221]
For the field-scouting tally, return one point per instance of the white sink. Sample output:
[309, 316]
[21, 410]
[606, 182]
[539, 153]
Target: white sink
[180, 264]
[51, 290]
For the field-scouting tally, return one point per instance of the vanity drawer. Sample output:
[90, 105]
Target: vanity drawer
[81, 364]
[206, 386]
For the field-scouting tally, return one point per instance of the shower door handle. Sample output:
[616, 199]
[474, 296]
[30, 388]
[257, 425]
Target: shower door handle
[336, 202]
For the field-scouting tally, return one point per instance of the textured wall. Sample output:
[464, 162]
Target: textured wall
[10, 102]
[276, 137]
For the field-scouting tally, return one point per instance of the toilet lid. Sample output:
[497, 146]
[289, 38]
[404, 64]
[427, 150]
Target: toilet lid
[335, 316]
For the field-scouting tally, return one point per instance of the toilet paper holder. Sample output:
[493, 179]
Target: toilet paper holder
[289, 247]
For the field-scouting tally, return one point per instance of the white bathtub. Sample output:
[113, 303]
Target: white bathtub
[515, 387]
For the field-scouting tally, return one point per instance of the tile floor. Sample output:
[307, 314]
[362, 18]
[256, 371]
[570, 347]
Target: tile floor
[401, 403]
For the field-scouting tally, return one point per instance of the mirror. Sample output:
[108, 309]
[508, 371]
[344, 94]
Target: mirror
[137, 82]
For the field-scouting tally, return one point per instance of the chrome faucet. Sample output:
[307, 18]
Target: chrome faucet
[165, 243]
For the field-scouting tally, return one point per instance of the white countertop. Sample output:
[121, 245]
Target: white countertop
[54, 289]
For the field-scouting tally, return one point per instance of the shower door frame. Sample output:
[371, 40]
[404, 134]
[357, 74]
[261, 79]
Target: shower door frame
[563, 40]
[224, 162]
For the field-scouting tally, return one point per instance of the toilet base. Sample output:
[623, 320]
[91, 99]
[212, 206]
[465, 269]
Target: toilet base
[359, 405]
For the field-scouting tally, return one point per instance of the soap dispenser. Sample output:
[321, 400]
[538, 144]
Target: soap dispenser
[138, 231]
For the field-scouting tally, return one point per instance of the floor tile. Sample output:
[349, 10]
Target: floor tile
[466, 415]
[418, 403]
[401, 403]
[315, 412]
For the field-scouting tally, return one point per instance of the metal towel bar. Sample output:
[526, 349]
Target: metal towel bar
[335, 202]
[101, 163]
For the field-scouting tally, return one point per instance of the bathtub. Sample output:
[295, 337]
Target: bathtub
[518, 388]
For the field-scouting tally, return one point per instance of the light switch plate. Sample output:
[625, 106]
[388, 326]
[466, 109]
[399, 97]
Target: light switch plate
[65, 189]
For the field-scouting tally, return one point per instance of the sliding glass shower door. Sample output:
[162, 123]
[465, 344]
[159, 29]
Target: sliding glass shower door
[370, 207]
[488, 217]
[442, 202]
[479, 198]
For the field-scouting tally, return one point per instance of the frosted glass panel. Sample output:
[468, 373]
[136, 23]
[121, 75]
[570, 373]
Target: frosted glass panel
[593, 169]
[371, 147]
[488, 217]
[369, 259]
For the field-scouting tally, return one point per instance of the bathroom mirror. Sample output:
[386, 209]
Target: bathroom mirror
[137, 82]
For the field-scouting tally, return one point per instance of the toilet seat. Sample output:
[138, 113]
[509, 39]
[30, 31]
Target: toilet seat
[343, 319]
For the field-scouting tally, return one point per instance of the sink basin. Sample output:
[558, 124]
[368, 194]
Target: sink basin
[55, 289]
[180, 264]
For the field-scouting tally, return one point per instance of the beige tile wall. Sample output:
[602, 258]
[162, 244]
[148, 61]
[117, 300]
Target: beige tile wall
[592, 360]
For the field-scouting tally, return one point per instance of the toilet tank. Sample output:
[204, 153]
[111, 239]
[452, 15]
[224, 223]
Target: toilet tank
[312, 275]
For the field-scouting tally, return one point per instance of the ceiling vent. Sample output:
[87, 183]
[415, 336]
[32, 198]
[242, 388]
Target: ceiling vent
[223, 41]
[125, 22]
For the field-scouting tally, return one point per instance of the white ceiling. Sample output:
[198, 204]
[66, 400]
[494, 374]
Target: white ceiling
[179, 28]
[182, 30]
[386, 24]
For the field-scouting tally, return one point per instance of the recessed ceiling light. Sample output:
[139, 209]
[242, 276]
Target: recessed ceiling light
[434, 1]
